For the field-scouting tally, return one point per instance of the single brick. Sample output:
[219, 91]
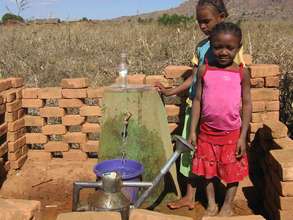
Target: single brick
[36, 138]
[13, 136]
[9, 95]
[173, 72]
[75, 137]
[71, 120]
[258, 106]
[16, 145]
[284, 143]
[157, 78]
[74, 155]
[32, 103]
[5, 84]
[16, 125]
[90, 111]
[136, 79]
[245, 217]
[285, 160]
[11, 116]
[74, 93]
[95, 92]
[286, 203]
[273, 106]
[261, 117]
[53, 129]
[3, 149]
[273, 116]
[16, 82]
[257, 83]
[265, 94]
[90, 128]
[108, 215]
[56, 146]
[264, 70]
[39, 155]
[278, 129]
[13, 106]
[70, 103]
[272, 82]
[76, 83]
[52, 112]
[287, 189]
[172, 110]
[3, 128]
[20, 113]
[15, 155]
[34, 121]
[50, 93]
[18, 163]
[90, 146]
[254, 127]
[30, 93]
[172, 127]
[2, 109]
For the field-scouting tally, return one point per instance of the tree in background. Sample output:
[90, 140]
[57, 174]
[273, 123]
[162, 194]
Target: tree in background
[21, 5]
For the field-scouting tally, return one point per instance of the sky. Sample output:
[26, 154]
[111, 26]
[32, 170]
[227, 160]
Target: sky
[91, 9]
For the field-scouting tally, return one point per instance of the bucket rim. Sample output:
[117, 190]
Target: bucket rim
[111, 165]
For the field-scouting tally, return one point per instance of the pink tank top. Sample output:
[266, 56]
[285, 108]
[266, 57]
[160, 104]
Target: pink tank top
[221, 98]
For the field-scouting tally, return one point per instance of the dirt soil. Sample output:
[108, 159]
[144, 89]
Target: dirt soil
[51, 183]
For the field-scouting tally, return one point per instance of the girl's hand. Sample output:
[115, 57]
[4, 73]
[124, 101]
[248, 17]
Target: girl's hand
[192, 139]
[160, 87]
[241, 148]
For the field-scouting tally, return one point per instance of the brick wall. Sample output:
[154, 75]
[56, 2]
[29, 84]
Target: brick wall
[13, 148]
[63, 122]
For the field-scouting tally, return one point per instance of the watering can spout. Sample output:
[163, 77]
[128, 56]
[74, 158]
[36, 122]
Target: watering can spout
[181, 144]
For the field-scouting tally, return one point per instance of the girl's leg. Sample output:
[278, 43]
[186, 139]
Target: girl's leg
[212, 209]
[227, 209]
[186, 201]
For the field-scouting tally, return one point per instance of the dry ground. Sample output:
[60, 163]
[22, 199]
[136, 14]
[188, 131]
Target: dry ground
[51, 183]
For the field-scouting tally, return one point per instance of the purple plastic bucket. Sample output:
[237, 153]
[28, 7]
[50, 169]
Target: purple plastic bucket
[130, 170]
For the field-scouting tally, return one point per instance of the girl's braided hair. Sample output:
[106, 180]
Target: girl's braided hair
[227, 27]
[217, 4]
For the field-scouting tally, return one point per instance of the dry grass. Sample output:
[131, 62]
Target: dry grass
[44, 54]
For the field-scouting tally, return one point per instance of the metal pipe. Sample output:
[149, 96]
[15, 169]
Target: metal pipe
[137, 184]
[155, 182]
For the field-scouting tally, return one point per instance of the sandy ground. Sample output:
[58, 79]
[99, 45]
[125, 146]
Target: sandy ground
[51, 183]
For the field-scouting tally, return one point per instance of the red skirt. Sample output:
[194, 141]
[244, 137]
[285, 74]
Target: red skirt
[216, 156]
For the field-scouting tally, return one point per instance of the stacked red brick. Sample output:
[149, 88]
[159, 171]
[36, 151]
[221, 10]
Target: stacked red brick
[265, 95]
[14, 123]
[279, 184]
[63, 119]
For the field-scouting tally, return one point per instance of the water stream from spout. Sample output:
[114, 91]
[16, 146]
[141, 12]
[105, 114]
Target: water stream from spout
[124, 136]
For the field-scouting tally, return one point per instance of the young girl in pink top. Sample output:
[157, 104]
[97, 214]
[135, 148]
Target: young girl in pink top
[221, 110]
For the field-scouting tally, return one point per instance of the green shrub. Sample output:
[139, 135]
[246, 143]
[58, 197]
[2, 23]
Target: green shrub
[11, 17]
[175, 19]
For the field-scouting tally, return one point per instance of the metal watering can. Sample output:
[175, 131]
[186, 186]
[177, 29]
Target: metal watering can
[109, 196]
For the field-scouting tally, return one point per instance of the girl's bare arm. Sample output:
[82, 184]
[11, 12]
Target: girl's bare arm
[246, 113]
[196, 106]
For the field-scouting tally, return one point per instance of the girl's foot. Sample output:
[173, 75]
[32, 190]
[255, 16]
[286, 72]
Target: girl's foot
[183, 202]
[212, 210]
[226, 211]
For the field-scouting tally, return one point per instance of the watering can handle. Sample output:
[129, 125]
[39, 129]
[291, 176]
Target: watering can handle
[77, 186]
